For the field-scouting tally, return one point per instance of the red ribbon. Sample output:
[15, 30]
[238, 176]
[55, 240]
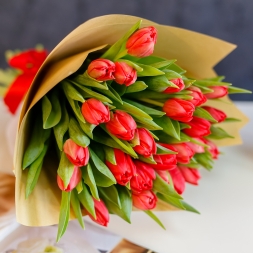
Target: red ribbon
[29, 63]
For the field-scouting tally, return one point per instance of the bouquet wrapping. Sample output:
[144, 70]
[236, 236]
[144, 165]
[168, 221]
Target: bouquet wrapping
[194, 52]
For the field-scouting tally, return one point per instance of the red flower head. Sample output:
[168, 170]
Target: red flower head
[101, 69]
[147, 145]
[29, 63]
[143, 179]
[124, 74]
[124, 169]
[180, 84]
[145, 200]
[122, 125]
[198, 96]
[216, 114]
[199, 127]
[74, 180]
[95, 112]
[164, 175]
[179, 109]
[102, 214]
[196, 148]
[184, 154]
[178, 180]
[218, 92]
[142, 42]
[213, 149]
[167, 161]
[76, 154]
[191, 176]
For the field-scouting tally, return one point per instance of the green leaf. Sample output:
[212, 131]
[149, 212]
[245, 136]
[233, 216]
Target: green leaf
[64, 214]
[77, 135]
[101, 167]
[202, 113]
[155, 218]
[111, 194]
[72, 92]
[136, 87]
[210, 83]
[146, 123]
[79, 187]
[65, 169]
[149, 159]
[86, 81]
[158, 83]
[165, 138]
[218, 133]
[109, 155]
[111, 93]
[231, 120]
[149, 60]
[36, 144]
[86, 200]
[75, 203]
[233, 90]
[176, 68]
[189, 207]
[159, 185]
[163, 151]
[171, 200]
[116, 48]
[89, 179]
[51, 110]
[62, 127]
[170, 74]
[162, 64]
[148, 70]
[169, 126]
[132, 64]
[205, 159]
[119, 89]
[146, 109]
[87, 128]
[34, 172]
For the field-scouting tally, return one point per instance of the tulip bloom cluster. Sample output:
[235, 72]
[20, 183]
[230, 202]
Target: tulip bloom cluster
[131, 130]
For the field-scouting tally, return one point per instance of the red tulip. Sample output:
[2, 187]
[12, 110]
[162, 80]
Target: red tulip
[184, 154]
[95, 112]
[143, 179]
[124, 74]
[124, 169]
[190, 175]
[196, 148]
[122, 125]
[102, 214]
[164, 175]
[178, 180]
[167, 161]
[199, 127]
[147, 145]
[76, 154]
[101, 69]
[213, 149]
[74, 180]
[218, 92]
[142, 42]
[180, 84]
[179, 109]
[216, 114]
[198, 96]
[145, 200]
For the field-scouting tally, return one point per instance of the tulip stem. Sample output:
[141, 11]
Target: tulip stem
[151, 101]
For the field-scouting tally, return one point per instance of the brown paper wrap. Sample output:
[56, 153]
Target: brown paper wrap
[197, 53]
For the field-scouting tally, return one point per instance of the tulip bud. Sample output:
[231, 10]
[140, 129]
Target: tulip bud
[184, 154]
[179, 109]
[179, 83]
[74, 180]
[198, 96]
[124, 168]
[102, 214]
[218, 92]
[95, 112]
[196, 148]
[124, 74]
[166, 161]
[199, 127]
[213, 149]
[122, 125]
[190, 175]
[76, 154]
[101, 69]
[178, 180]
[145, 200]
[216, 114]
[147, 146]
[164, 175]
[143, 178]
[142, 42]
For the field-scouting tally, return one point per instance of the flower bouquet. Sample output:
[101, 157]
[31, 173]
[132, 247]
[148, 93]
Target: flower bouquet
[120, 115]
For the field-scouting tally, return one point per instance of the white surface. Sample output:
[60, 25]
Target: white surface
[224, 198]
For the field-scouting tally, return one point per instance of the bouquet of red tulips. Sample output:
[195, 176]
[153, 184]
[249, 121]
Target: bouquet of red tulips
[128, 128]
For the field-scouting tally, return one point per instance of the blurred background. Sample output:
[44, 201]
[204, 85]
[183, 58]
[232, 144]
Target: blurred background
[25, 23]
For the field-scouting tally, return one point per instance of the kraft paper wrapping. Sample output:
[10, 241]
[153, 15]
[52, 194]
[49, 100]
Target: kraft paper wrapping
[197, 53]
